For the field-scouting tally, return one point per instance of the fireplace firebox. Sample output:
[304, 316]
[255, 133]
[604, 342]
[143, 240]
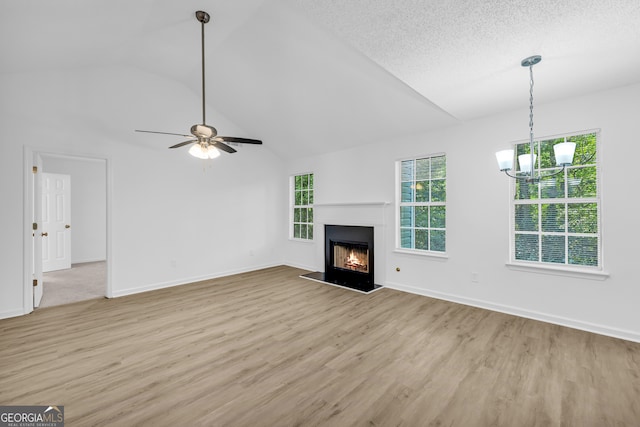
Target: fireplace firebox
[348, 257]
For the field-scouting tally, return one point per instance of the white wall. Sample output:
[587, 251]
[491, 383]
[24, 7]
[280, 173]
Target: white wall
[478, 215]
[88, 217]
[173, 218]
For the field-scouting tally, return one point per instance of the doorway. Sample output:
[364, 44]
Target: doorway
[80, 282]
[86, 224]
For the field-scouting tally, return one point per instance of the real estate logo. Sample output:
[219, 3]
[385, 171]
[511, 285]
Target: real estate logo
[32, 416]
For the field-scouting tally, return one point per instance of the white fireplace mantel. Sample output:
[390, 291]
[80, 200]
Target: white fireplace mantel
[352, 213]
[371, 214]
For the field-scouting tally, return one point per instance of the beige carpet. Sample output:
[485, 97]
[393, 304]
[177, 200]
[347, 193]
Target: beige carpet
[80, 282]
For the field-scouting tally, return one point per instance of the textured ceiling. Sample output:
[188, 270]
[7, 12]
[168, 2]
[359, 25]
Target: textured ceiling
[464, 55]
[312, 76]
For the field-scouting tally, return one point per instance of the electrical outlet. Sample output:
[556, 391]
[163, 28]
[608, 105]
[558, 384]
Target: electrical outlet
[174, 263]
[475, 277]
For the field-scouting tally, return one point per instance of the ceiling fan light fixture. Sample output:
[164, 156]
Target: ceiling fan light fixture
[204, 151]
[199, 151]
[212, 152]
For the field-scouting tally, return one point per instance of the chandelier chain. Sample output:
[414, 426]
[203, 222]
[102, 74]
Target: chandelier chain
[531, 99]
[563, 152]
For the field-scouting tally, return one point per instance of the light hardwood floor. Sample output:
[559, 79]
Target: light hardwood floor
[270, 349]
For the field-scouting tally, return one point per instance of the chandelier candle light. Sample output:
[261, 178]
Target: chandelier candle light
[563, 151]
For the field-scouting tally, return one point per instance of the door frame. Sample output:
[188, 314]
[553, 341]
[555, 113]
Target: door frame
[36, 240]
[29, 154]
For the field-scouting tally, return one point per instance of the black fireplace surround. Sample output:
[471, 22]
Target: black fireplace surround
[351, 237]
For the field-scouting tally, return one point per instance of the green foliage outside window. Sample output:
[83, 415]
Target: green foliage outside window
[423, 194]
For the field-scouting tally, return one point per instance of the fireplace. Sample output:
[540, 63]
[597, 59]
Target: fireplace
[348, 254]
[348, 258]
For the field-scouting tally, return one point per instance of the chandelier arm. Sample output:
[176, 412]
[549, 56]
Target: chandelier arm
[534, 178]
[587, 160]
[506, 171]
[540, 175]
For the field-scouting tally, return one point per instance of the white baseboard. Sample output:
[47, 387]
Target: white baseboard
[529, 314]
[300, 266]
[82, 261]
[186, 281]
[11, 313]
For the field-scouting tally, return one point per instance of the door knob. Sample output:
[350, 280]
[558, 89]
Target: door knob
[45, 234]
[67, 226]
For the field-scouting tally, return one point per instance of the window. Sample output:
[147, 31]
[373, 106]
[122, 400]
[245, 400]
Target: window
[557, 221]
[422, 204]
[302, 207]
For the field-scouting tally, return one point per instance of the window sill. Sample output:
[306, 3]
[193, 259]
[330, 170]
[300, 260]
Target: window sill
[347, 204]
[440, 255]
[559, 271]
[293, 239]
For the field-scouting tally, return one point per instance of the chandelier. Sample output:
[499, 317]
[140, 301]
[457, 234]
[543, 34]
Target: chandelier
[563, 151]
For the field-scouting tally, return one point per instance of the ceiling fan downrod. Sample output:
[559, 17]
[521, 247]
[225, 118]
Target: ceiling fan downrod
[203, 17]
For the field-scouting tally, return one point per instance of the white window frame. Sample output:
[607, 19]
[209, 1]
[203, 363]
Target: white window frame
[399, 204]
[553, 267]
[293, 206]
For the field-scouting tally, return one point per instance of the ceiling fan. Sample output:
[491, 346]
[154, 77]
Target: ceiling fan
[205, 139]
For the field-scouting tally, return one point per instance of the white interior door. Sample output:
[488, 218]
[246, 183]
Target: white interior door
[36, 257]
[56, 221]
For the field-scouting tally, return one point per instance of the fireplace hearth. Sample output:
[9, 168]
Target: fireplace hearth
[349, 258]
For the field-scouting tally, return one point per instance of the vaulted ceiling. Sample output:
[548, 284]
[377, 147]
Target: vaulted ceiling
[312, 76]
